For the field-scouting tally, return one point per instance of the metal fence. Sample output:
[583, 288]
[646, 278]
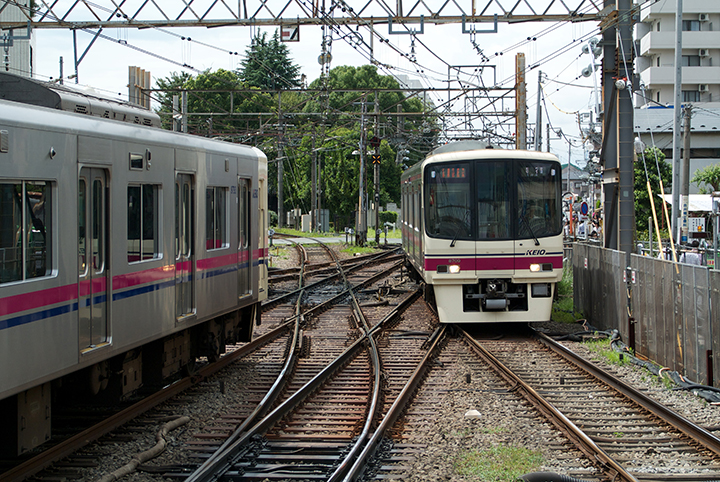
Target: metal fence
[670, 320]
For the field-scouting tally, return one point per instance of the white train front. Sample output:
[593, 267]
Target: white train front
[483, 228]
[126, 251]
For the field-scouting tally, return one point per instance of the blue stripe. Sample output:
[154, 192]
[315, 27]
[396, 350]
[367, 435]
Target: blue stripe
[40, 315]
[71, 307]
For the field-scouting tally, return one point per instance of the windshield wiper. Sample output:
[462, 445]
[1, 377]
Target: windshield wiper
[461, 226]
[523, 218]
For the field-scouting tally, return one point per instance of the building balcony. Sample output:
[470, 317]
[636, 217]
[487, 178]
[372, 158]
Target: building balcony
[691, 76]
[690, 7]
[654, 42]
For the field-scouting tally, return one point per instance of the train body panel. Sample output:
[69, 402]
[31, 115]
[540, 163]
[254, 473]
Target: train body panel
[482, 228]
[114, 235]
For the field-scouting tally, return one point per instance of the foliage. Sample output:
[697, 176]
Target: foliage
[267, 64]
[602, 347]
[273, 218]
[211, 92]
[388, 217]
[286, 125]
[498, 464]
[563, 309]
[353, 250]
[643, 210]
[709, 175]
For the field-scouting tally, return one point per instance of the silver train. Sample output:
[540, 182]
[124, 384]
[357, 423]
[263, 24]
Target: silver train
[126, 251]
[482, 227]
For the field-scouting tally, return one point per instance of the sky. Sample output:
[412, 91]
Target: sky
[555, 46]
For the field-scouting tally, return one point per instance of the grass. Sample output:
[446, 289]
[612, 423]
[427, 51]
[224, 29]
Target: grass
[498, 464]
[353, 250]
[563, 310]
[394, 233]
[602, 347]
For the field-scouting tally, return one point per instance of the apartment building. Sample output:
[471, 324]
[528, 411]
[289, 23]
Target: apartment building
[655, 41]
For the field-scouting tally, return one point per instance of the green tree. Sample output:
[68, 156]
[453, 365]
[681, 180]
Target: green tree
[643, 210]
[169, 86]
[215, 101]
[709, 175]
[267, 64]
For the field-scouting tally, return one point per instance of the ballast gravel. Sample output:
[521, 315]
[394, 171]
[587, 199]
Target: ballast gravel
[500, 420]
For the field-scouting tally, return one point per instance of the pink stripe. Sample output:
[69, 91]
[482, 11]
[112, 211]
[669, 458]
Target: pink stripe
[487, 264]
[37, 299]
[99, 285]
[498, 263]
[147, 276]
[184, 266]
[216, 262]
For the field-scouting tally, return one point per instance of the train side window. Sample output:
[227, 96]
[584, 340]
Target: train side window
[25, 230]
[216, 218]
[142, 222]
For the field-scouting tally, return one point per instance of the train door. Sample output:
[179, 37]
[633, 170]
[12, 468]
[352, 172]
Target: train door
[184, 246]
[244, 257]
[93, 258]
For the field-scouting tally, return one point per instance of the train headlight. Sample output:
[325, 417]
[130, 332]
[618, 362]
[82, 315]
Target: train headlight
[534, 267]
[454, 268]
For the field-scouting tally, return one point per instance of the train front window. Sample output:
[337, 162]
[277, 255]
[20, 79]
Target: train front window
[538, 196]
[448, 201]
[492, 191]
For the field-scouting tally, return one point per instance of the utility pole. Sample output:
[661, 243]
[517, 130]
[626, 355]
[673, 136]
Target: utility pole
[676, 120]
[625, 134]
[361, 235]
[520, 103]
[376, 172]
[538, 118]
[687, 113]
[547, 136]
[313, 189]
[281, 156]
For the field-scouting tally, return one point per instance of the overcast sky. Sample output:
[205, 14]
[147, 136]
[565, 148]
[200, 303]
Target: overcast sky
[105, 67]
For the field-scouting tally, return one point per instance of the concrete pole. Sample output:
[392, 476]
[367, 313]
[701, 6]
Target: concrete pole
[376, 173]
[609, 154]
[281, 155]
[625, 135]
[685, 186]
[361, 235]
[676, 121]
[538, 115]
[520, 103]
[313, 189]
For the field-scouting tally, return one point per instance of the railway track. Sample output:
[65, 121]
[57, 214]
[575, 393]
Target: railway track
[272, 336]
[631, 436]
[347, 379]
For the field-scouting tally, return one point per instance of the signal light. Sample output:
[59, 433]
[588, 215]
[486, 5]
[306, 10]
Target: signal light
[376, 158]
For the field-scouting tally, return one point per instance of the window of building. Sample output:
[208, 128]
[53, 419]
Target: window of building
[142, 226]
[216, 218]
[25, 230]
[658, 61]
[657, 25]
[691, 61]
[691, 25]
[690, 96]
[657, 97]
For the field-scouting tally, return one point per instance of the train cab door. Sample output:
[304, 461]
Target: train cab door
[93, 256]
[244, 255]
[184, 246]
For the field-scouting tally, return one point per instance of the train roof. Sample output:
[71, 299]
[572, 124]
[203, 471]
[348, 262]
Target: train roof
[461, 146]
[62, 97]
[31, 116]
